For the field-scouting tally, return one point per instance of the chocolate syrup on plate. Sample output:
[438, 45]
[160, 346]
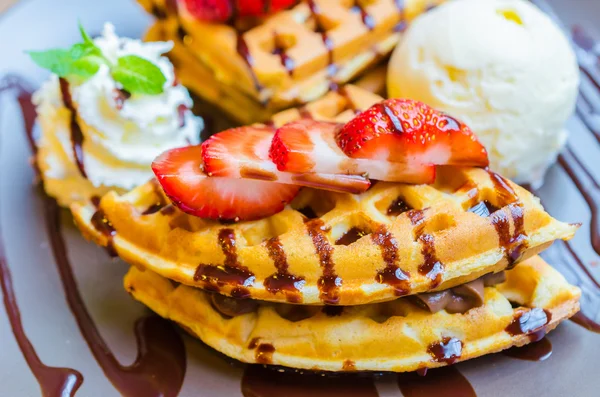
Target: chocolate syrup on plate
[535, 351]
[260, 381]
[53, 381]
[445, 381]
[282, 280]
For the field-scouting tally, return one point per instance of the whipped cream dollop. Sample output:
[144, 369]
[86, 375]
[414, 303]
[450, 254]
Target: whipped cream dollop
[501, 66]
[122, 132]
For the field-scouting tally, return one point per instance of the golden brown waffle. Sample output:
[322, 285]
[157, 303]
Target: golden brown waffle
[392, 336]
[253, 85]
[402, 239]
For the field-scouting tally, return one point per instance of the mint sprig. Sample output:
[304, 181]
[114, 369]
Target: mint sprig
[83, 60]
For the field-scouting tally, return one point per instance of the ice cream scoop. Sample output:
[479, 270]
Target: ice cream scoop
[502, 67]
[96, 136]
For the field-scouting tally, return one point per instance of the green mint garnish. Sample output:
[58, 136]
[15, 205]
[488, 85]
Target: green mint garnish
[83, 60]
[139, 75]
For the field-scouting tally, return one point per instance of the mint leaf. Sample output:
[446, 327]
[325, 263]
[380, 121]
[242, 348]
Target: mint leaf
[139, 75]
[58, 61]
[85, 36]
[87, 66]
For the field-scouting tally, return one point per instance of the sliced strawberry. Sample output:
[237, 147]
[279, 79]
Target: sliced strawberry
[179, 171]
[403, 130]
[244, 153]
[209, 10]
[224, 10]
[310, 146]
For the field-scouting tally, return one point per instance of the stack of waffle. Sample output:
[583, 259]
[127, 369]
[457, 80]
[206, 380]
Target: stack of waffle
[399, 278]
[287, 59]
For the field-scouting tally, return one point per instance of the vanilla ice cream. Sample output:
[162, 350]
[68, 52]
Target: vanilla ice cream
[501, 66]
[122, 134]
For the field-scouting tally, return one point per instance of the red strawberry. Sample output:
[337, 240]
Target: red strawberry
[310, 146]
[403, 130]
[244, 153]
[209, 10]
[180, 173]
[224, 10]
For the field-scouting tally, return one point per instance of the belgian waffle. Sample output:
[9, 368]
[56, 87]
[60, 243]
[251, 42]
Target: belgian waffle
[392, 336]
[334, 248]
[290, 58]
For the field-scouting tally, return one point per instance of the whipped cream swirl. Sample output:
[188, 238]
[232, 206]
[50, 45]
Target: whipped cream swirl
[122, 133]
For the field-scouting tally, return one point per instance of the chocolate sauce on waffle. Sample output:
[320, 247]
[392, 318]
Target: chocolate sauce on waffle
[351, 236]
[76, 133]
[231, 272]
[398, 206]
[514, 244]
[401, 25]
[445, 381]
[431, 267]
[531, 323]
[535, 351]
[448, 350]
[315, 10]
[329, 282]
[365, 17]
[261, 381]
[263, 352]
[391, 274]
[282, 280]
[287, 62]
[104, 226]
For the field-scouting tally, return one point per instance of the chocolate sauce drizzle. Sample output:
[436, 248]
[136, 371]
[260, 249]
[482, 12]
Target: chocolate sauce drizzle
[282, 280]
[391, 274]
[261, 381]
[535, 351]
[431, 266]
[287, 62]
[367, 19]
[448, 350]
[231, 272]
[351, 236]
[104, 226]
[329, 282]
[401, 25]
[445, 381]
[315, 11]
[242, 49]
[76, 133]
[531, 323]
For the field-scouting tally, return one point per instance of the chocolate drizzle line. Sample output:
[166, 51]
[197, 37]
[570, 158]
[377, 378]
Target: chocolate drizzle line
[329, 282]
[401, 25]
[367, 19]
[159, 367]
[76, 133]
[53, 381]
[531, 323]
[589, 188]
[445, 381]
[287, 62]
[448, 350]
[231, 272]
[315, 10]
[261, 381]
[282, 280]
[431, 266]
[391, 274]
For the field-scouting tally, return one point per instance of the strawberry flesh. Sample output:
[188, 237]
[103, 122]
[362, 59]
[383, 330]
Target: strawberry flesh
[310, 146]
[244, 153]
[180, 173]
[407, 131]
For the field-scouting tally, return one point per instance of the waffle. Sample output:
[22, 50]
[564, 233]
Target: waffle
[392, 336]
[334, 248]
[331, 44]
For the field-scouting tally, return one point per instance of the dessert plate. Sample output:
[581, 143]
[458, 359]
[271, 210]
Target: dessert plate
[67, 324]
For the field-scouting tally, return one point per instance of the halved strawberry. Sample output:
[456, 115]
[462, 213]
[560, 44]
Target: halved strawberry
[403, 130]
[244, 153]
[310, 146]
[224, 10]
[180, 173]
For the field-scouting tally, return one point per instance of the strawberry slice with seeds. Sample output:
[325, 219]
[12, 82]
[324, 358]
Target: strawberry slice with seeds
[244, 153]
[180, 173]
[224, 10]
[310, 146]
[403, 130]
